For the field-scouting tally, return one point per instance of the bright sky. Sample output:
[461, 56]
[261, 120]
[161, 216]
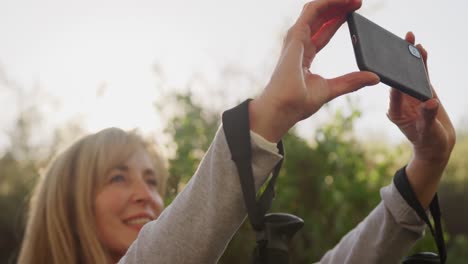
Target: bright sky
[76, 50]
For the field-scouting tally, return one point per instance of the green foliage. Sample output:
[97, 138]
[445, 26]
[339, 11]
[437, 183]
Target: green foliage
[19, 171]
[453, 194]
[457, 168]
[18, 176]
[192, 130]
[336, 186]
[457, 253]
[17, 181]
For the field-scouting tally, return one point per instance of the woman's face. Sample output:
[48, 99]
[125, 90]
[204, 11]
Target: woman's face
[126, 202]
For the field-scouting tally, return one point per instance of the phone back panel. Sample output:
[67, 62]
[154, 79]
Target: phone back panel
[397, 62]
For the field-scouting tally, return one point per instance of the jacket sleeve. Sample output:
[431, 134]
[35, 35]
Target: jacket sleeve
[201, 221]
[384, 236]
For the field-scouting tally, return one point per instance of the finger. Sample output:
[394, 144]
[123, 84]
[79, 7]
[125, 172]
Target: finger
[432, 128]
[351, 82]
[323, 36]
[292, 58]
[429, 111]
[442, 114]
[396, 102]
[316, 13]
[410, 37]
[298, 34]
[423, 52]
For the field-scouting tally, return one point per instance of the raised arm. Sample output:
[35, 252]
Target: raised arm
[430, 131]
[393, 226]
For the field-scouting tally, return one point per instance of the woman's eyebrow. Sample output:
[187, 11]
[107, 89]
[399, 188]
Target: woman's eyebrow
[149, 172]
[121, 167]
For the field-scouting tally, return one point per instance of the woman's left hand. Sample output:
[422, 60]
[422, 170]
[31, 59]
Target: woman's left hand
[430, 131]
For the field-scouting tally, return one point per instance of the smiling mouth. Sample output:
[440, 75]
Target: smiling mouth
[140, 221]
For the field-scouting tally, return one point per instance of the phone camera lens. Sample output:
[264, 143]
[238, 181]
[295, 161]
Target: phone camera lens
[413, 50]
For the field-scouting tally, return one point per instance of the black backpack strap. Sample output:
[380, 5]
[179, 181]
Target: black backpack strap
[237, 130]
[403, 186]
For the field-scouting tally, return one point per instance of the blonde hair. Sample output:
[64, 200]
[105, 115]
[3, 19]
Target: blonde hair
[61, 226]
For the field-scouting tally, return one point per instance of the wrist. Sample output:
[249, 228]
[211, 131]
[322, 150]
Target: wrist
[267, 121]
[424, 177]
[427, 167]
[435, 149]
[430, 157]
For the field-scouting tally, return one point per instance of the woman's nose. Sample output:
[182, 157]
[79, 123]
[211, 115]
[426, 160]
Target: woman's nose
[147, 195]
[142, 192]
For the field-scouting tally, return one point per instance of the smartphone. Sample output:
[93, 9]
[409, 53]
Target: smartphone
[397, 62]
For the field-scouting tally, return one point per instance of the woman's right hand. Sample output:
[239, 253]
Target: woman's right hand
[294, 93]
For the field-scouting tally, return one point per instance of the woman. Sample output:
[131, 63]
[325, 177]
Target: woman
[199, 223]
[93, 200]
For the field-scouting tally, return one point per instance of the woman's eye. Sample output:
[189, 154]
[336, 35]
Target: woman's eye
[117, 178]
[152, 182]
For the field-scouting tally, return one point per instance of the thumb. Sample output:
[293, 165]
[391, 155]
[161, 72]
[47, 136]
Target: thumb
[351, 82]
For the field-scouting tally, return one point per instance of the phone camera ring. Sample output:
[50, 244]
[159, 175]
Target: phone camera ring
[414, 51]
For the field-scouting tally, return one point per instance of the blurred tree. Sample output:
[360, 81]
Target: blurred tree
[454, 198]
[23, 158]
[457, 250]
[17, 180]
[457, 169]
[20, 167]
[18, 175]
[192, 129]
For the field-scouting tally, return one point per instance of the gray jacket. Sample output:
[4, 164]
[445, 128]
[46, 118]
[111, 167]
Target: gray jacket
[200, 222]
